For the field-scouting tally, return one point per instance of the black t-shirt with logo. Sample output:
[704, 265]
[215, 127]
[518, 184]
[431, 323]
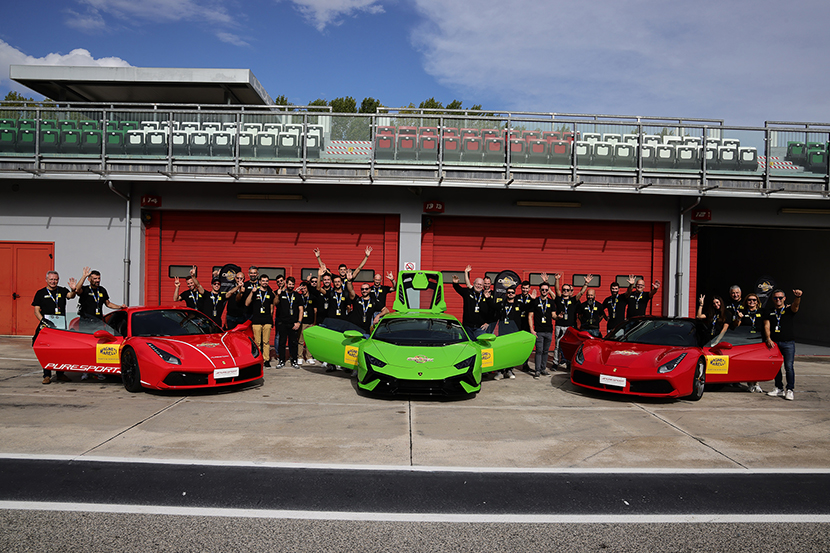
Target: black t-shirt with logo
[212, 304]
[91, 301]
[637, 303]
[192, 299]
[477, 308]
[754, 320]
[51, 302]
[339, 303]
[569, 309]
[526, 304]
[590, 314]
[614, 307]
[288, 307]
[364, 310]
[544, 311]
[379, 293]
[261, 301]
[309, 304]
[780, 324]
[511, 315]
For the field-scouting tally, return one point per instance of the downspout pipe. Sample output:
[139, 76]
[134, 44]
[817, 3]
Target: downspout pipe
[679, 273]
[127, 229]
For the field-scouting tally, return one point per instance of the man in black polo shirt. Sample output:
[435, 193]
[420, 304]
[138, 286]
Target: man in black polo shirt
[250, 284]
[50, 310]
[637, 298]
[478, 305]
[567, 309]
[379, 292]
[289, 317]
[365, 310]
[213, 301]
[590, 314]
[511, 316]
[336, 299]
[540, 319]
[614, 307]
[778, 329]
[193, 297]
[93, 298]
[261, 302]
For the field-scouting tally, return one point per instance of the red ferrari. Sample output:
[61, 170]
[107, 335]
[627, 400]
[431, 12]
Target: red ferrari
[667, 357]
[153, 347]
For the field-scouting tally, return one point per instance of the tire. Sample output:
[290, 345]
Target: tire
[130, 373]
[699, 381]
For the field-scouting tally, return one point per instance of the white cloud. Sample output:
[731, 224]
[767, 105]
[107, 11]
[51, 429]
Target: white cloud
[163, 11]
[87, 22]
[322, 13]
[231, 38]
[9, 55]
[743, 61]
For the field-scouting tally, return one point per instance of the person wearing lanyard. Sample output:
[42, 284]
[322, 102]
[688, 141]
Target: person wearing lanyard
[614, 307]
[715, 318]
[50, 310]
[213, 302]
[336, 299]
[289, 316]
[778, 330]
[343, 268]
[365, 311]
[566, 313]
[540, 320]
[236, 304]
[379, 291]
[478, 304]
[638, 298]
[590, 314]
[734, 308]
[93, 298]
[492, 316]
[525, 301]
[750, 315]
[261, 302]
[510, 319]
[309, 319]
[193, 297]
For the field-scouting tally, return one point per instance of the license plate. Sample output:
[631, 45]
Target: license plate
[225, 373]
[612, 380]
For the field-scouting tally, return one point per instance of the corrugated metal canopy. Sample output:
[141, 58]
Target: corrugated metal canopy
[142, 84]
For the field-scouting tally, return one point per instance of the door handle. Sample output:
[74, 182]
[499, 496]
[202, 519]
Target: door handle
[15, 295]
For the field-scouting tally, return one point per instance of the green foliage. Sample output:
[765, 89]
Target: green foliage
[431, 103]
[344, 105]
[369, 105]
[281, 100]
[455, 104]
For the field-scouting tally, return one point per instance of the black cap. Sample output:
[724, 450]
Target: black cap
[215, 280]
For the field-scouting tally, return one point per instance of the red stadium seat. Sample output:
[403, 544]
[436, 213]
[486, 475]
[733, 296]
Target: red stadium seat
[451, 148]
[384, 146]
[471, 149]
[406, 146]
[493, 149]
[428, 148]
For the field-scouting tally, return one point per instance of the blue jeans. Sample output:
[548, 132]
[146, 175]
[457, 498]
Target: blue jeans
[558, 358]
[474, 331]
[788, 351]
[543, 341]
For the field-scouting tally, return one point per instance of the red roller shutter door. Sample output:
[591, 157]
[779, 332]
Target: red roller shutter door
[603, 248]
[208, 239]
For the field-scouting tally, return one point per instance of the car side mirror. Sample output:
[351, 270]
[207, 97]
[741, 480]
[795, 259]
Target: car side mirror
[486, 338]
[724, 345]
[104, 335]
[353, 334]
[582, 335]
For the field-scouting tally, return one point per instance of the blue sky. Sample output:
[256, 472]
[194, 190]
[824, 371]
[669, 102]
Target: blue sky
[741, 61]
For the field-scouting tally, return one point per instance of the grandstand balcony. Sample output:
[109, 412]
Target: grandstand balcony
[398, 147]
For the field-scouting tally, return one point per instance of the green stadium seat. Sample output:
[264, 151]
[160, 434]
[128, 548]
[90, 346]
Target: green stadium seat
[114, 142]
[385, 146]
[266, 144]
[113, 126]
[796, 152]
[8, 124]
[815, 146]
[625, 155]
[48, 124]
[134, 142]
[91, 142]
[70, 141]
[49, 141]
[67, 125]
[128, 126]
[8, 139]
[89, 126]
[25, 141]
[27, 124]
[817, 160]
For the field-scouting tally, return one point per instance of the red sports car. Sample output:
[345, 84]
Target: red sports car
[153, 347]
[667, 357]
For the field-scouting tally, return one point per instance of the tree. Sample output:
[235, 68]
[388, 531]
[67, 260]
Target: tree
[369, 105]
[431, 103]
[344, 105]
[455, 104]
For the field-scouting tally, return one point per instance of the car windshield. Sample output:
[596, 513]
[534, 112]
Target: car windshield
[661, 332]
[172, 322]
[419, 332]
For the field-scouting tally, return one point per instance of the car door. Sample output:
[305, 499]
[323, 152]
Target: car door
[506, 351]
[741, 357]
[89, 346]
[333, 345]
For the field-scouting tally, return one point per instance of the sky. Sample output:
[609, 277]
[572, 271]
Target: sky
[741, 61]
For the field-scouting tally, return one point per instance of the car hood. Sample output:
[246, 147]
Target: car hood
[219, 349]
[627, 355]
[423, 356]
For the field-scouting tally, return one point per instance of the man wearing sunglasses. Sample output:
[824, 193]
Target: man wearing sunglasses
[778, 329]
[510, 315]
[567, 308]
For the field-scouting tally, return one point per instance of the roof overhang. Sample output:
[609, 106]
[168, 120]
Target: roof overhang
[144, 85]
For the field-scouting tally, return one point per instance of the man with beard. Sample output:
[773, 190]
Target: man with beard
[236, 303]
[337, 300]
[614, 307]
[590, 314]
[637, 299]
[260, 300]
[378, 291]
[566, 312]
[93, 298]
[193, 297]
[478, 306]
[510, 319]
[289, 316]
[526, 301]
[213, 301]
[540, 319]
[365, 311]
[50, 310]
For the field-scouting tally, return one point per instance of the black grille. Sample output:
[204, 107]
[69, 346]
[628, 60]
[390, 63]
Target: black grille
[634, 386]
[201, 379]
[423, 388]
[245, 373]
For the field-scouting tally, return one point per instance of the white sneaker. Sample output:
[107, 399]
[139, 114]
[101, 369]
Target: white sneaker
[776, 392]
[498, 376]
[788, 395]
[510, 374]
[755, 388]
[310, 361]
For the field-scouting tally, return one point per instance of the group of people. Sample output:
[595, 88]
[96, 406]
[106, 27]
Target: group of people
[549, 313]
[774, 325]
[289, 307]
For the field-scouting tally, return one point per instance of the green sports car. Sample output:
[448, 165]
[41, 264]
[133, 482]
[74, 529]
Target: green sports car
[415, 350]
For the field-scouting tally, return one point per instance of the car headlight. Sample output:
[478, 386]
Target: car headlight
[168, 357]
[254, 348]
[466, 364]
[579, 358]
[372, 361]
[670, 365]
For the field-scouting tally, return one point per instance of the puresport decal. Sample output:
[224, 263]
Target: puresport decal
[82, 368]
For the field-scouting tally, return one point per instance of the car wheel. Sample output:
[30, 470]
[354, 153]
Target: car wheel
[699, 382]
[130, 373]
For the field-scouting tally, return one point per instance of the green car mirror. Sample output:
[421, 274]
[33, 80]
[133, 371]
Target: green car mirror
[486, 338]
[353, 334]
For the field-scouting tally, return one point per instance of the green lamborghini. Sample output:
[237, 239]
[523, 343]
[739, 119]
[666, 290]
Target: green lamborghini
[417, 350]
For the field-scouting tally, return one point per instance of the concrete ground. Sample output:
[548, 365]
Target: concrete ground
[309, 416]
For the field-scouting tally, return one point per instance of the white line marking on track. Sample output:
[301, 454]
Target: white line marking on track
[408, 468]
[413, 517]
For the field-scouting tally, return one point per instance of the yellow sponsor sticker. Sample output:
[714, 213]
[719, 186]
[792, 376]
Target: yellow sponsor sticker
[350, 357]
[717, 364]
[486, 358]
[109, 354]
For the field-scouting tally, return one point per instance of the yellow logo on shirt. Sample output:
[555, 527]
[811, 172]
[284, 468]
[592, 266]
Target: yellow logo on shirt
[717, 364]
[350, 357]
[108, 354]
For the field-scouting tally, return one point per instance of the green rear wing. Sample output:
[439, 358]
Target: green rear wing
[420, 291]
